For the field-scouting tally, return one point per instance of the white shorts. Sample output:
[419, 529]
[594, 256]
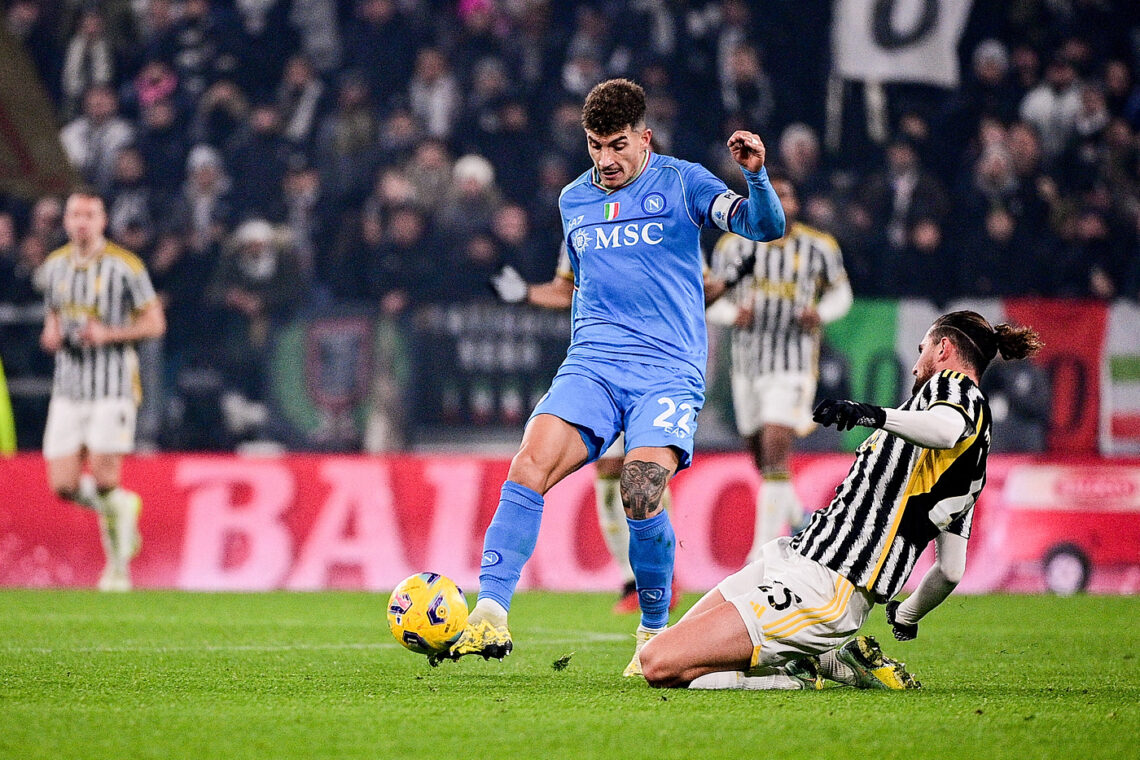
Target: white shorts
[103, 426]
[793, 606]
[777, 399]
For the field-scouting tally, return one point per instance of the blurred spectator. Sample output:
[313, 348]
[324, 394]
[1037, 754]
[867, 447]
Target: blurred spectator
[927, 268]
[517, 246]
[515, 168]
[1036, 193]
[18, 287]
[476, 40]
[1122, 92]
[88, 60]
[93, 140]
[993, 257]
[302, 100]
[221, 112]
[1020, 399]
[257, 160]
[532, 50]
[265, 41]
[155, 82]
[1025, 64]
[46, 224]
[745, 89]
[131, 200]
[542, 206]
[204, 209]
[1052, 107]
[489, 88]
[206, 47]
[304, 214]
[470, 203]
[903, 193]
[157, 26]
[400, 133]
[429, 170]
[404, 263]
[434, 93]
[564, 136]
[315, 21]
[256, 286]
[381, 41]
[798, 155]
[346, 145]
[469, 264]
[181, 277]
[987, 92]
[163, 145]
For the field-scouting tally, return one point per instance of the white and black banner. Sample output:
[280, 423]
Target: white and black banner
[899, 40]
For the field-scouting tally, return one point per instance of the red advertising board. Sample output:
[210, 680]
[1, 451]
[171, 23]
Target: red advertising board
[308, 522]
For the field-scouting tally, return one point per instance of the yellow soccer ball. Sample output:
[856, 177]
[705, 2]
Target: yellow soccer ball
[427, 612]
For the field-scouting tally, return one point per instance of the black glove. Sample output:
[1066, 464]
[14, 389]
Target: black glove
[845, 415]
[902, 631]
[509, 286]
[740, 269]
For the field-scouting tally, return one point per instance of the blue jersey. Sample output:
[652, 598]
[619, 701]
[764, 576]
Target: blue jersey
[637, 263]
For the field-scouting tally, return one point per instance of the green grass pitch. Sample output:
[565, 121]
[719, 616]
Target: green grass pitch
[316, 675]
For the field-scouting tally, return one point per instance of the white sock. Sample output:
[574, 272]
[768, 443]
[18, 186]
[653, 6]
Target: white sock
[833, 669]
[775, 501]
[734, 679]
[88, 495]
[489, 610]
[611, 519]
[727, 679]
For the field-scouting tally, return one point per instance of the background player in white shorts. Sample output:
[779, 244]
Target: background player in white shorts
[780, 622]
[782, 292]
[99, 303]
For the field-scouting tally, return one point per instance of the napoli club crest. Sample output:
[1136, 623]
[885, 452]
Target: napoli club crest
[653, 204]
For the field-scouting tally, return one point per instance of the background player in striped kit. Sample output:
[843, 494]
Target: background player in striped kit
[637, 352]
[914, 480]
[99, 302]
[790, 287]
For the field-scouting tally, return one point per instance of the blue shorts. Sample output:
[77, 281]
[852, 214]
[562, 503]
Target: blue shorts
[654, 406]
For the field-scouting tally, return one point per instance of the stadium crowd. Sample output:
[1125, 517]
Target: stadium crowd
[265, 155]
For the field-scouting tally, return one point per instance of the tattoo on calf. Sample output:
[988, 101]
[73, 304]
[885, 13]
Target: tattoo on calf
[642, 484]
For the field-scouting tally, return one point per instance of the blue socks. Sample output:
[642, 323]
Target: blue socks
[510, 541]
[651, 545]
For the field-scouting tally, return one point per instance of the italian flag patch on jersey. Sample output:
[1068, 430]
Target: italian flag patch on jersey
[610, 211]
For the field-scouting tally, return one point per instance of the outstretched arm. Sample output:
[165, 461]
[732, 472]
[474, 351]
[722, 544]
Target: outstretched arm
[940, 580]
[759, 216]
[939, 427]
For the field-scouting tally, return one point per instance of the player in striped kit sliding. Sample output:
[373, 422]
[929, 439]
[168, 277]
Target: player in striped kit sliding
[783, 621]
[99, 302]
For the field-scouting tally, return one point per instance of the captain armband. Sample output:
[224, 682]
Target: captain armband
[723, 207]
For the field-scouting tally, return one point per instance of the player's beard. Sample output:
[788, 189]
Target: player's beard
[920, 380]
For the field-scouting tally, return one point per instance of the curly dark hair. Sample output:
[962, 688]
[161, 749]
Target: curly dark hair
[612, 106]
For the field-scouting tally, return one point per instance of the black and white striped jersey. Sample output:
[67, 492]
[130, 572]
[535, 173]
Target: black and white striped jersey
[898, 495]
[111, 287]
[790, 274]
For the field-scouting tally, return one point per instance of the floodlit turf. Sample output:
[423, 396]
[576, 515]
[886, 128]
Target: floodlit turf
[284, 675]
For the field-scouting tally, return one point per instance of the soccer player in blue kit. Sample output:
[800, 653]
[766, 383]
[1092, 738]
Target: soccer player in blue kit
[637, 352]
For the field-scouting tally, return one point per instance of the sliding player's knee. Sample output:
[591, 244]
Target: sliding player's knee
[655, 666]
